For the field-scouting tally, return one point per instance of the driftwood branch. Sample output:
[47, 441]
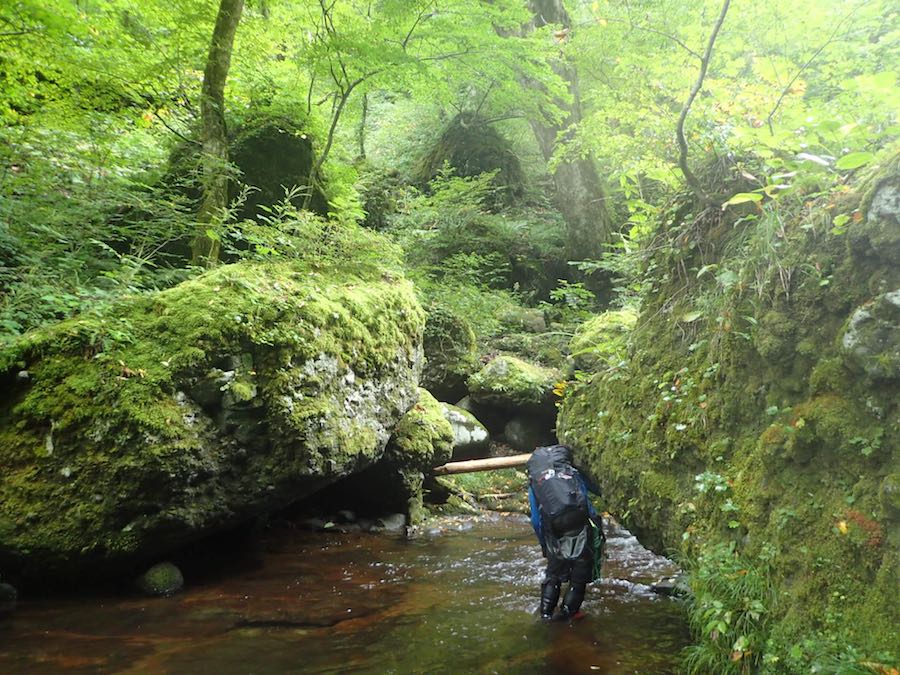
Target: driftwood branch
[489, 464]
[679, 130]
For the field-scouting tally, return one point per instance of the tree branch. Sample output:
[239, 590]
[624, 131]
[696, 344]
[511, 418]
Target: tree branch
[647, 29]
[787, 88]
[415, 24]
[679, 129]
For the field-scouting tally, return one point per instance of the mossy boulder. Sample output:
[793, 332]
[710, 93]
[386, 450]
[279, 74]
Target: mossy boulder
[512, 384]
[602, 340]
[471, 146]
[272, 154]
[163, 579]
[450, 353]
[421, 440]
[470, 437]
[188, 411]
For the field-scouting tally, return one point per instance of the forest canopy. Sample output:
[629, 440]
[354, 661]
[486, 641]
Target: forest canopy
[101, 106]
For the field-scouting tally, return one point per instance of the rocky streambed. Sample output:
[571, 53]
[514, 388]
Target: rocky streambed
[459, 597]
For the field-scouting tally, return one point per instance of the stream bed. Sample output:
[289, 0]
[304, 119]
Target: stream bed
[462, 600]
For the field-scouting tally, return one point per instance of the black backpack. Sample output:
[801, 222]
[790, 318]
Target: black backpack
[557, 489]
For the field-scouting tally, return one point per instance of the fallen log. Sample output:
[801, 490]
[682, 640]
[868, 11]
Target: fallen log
[489, 464]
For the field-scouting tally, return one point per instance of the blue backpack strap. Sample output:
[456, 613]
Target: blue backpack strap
[536, 523]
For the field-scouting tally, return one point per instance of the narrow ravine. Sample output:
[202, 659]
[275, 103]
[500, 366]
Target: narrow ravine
[462, 600]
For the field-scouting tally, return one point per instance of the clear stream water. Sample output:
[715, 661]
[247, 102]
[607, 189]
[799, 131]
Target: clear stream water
[463, 600]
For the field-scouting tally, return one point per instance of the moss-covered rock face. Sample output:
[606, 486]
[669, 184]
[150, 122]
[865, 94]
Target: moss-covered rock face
[510, 383]
[601, 341]
[190, 410]
[450, 354]
[753, 427]
[421, 440]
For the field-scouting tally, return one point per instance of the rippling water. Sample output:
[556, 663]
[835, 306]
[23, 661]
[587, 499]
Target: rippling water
[460, 601]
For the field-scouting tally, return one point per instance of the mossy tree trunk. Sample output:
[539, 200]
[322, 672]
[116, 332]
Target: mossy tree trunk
[206, 248]
[579, 192]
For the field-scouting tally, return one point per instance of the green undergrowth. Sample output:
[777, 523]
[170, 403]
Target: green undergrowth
[741, 435]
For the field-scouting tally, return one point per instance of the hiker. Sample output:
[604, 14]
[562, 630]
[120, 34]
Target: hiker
[567, 527]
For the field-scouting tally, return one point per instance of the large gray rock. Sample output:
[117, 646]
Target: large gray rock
[872, 339]
[470, 437]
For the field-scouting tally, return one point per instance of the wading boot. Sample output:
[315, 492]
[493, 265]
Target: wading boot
[549, 598]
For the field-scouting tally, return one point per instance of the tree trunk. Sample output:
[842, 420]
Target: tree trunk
[214, 133]
[579, 192]
[361, 130]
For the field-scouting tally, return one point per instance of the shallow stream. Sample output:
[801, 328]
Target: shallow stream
[462, 600]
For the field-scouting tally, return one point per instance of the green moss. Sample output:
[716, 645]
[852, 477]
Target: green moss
[761, 404]
[107, 453]
[423, 437]
[161, 579]
[510, 382]
[601, 341]
[472, 147]
[450, 353]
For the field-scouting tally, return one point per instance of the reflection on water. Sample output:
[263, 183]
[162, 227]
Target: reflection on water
[461, 602]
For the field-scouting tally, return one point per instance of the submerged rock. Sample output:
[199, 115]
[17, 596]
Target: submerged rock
[8, 598]
[163, 579]
[470, 437]
[513, 384]
[395, 522]
[191, 410]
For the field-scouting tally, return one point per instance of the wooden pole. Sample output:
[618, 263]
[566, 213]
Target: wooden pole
[481, 464]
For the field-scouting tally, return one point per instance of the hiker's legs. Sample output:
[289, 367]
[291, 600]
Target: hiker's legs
[581, 575]
[553, 575]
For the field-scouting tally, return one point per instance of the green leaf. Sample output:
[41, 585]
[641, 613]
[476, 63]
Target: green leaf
[743, 198]
[689, 317]
[854, 160]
